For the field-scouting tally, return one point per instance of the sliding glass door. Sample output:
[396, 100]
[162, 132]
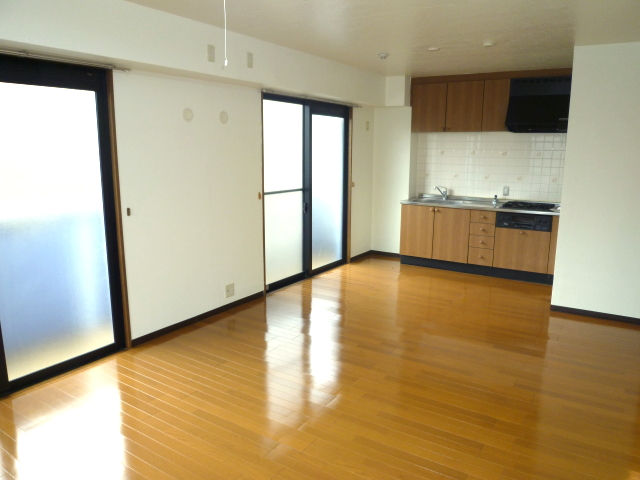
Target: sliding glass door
[305, 175]
[60, 300]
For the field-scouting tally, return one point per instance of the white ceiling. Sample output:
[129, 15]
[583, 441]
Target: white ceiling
[528, 34]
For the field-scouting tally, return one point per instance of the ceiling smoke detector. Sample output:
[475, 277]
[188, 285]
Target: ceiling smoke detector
[488, 43]
[383, 56]
[433, 49]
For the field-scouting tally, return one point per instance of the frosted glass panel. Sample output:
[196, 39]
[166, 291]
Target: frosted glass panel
[327, 171]
[282, 136]
[283, 235]
[54, 286]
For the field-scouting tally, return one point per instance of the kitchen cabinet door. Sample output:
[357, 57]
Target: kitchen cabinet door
[524, 250]
[496, 102]
[464, 106]
[553, 245]
[451, 234]
[416, 232]
[429, 107]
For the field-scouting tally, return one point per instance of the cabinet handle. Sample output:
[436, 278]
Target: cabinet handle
[479, 256]
[437, 210]
[481, 242]
[432, 209]
[481, 216]
[482, 229]
[521, 233]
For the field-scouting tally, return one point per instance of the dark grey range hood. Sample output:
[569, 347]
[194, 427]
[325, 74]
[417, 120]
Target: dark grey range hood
[539, 105]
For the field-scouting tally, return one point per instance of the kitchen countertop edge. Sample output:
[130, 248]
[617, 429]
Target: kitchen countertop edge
[476, 206]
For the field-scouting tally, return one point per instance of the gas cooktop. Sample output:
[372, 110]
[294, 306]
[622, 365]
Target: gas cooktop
[538, 207]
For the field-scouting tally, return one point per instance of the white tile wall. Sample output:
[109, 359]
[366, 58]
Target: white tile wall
[480, 164]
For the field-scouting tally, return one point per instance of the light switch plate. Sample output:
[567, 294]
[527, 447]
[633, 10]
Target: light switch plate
[505, 191]
[211, 53]
[249, 60]
[229, 290]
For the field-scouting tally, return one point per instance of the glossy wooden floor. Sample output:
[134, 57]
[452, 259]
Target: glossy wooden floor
[374, 370]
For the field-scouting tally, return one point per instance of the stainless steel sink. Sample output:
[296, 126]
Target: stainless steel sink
[452, 202]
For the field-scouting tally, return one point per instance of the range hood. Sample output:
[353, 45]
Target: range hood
[539, 105]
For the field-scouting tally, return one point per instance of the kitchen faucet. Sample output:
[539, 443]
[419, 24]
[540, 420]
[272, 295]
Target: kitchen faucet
[443, 191]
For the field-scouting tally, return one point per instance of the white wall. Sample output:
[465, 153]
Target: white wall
[147, 39]
[398, 91]
[196, 222]
[598, 256]
[362, 176]
[391, 175]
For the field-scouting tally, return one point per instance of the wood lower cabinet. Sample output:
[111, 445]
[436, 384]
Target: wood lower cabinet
[464, 106]
[553, 245]
[416, 231]
[429, 107]
[451, 234]
[524, 250]
[470, 236]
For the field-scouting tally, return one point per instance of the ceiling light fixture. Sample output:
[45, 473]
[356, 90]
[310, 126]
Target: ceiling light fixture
[383, 56]
[433, 49]
[488, 43]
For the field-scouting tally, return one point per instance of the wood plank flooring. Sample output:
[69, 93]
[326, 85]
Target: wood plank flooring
[374, 370]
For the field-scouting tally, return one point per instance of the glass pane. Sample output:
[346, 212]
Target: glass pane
[283, 235]
[54, 285]
[282, 136]
[327, 172]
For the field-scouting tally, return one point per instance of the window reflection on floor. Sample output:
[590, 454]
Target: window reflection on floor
[67, 431]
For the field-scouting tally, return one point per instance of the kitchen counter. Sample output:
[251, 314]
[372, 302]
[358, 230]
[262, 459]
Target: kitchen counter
[473, 203]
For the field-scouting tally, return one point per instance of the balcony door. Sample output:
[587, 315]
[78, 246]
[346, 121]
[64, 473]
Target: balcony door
[305, 188]
[60, 297]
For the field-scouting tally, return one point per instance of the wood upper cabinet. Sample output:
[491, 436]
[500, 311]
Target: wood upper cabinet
[553, 245]
[429, 107]
[451, 234]
[416, 231]
[496, 102]
[524, 250]
[464, 106]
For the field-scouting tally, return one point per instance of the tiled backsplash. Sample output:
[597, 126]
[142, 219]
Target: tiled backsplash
[481, 164]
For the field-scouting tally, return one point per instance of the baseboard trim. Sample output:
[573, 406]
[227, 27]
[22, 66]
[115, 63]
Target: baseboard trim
[361, 256]
[374, 252]
[507, 274]
[185, 323]
[589, 313]
[385, 254]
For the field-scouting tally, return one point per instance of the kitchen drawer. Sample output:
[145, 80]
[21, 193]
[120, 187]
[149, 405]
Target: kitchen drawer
[482, 229]
[477, 241]
[482, 216]
[481, 256]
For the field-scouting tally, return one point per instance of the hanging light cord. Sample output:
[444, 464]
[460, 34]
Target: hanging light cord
[226, 62]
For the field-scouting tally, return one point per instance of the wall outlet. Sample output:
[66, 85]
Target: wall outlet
[367, 126]
[229, 290]
[211, 53]
[505, 191]
[249, 60]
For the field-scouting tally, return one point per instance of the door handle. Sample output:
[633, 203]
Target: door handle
[305, 207]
